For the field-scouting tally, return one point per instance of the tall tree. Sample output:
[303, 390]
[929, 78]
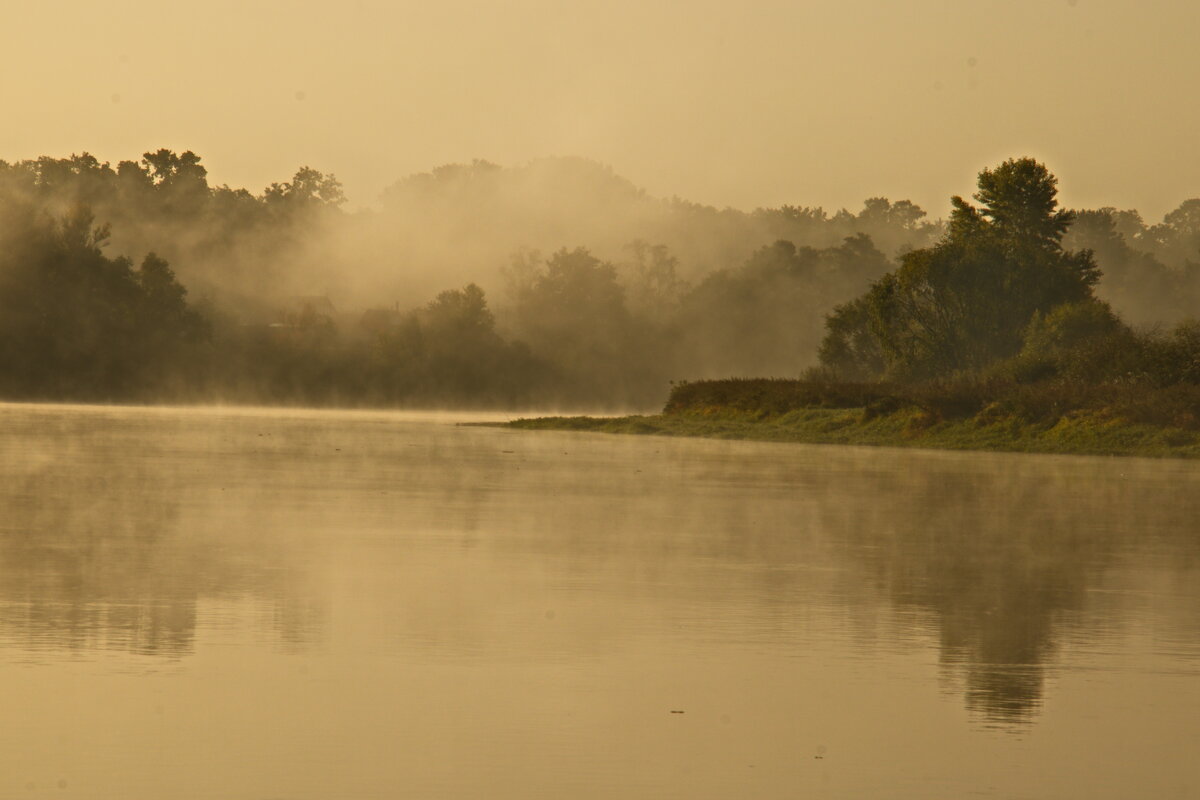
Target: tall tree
[966, 301]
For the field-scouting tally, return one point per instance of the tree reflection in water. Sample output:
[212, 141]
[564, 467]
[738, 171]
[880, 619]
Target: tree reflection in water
[1007, 552]
[95, 554]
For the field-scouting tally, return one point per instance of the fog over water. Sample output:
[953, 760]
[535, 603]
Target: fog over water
[241, 242]
[314, 604]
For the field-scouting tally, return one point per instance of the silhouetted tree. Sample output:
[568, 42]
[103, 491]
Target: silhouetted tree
[965, 302]
[74, 322]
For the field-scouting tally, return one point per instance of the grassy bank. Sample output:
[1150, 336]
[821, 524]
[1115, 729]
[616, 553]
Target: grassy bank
[1015, 419]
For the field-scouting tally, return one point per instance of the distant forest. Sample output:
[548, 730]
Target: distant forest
[555, 284]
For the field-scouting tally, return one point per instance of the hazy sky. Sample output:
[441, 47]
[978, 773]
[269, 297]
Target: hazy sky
[758, 102]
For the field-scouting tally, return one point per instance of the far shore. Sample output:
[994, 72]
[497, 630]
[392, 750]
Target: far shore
[805, 412]
[1080, 435]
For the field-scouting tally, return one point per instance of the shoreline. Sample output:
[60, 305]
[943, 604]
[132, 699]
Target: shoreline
[1078, 433]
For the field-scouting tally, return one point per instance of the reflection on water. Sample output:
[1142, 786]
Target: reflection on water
[541, 575]
[1010, 552]
[95, 552]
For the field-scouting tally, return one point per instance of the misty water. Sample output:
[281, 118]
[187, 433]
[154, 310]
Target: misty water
[286, 604]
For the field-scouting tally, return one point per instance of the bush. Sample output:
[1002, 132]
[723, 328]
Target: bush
[966, 397]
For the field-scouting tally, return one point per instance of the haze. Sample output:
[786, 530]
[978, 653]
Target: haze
[754, 104]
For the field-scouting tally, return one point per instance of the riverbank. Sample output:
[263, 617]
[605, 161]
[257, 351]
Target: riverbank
[795, 411]
[1082, 434]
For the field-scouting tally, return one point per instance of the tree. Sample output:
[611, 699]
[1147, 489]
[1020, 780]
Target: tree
[851, 345]
[74, 322]
[759, 318]
[308, 188]
[1143, 287]
[570, 309]
[1020, 198]
[173, 171]
[448, 351]
[965, 302]
[653, 281]
[573, 304]
[1186, 218]
[1176, 240]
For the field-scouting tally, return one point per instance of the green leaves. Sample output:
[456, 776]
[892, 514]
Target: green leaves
[1020, 198]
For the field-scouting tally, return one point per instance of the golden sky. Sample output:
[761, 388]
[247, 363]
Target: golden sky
[759, 102]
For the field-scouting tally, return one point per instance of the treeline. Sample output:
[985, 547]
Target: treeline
[260, 324]
[1001, 319]
[459, 291]
[1001, 294]
[75, 323]
[1151, 273]
[455, 225]
[228, 244]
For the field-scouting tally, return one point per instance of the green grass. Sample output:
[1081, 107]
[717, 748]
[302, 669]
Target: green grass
[963, 414]
[1081, 433]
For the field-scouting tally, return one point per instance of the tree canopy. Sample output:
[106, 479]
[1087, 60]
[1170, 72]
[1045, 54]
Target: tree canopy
[79, 323]
[965, 301]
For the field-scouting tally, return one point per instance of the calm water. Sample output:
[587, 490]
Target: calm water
[207, 604]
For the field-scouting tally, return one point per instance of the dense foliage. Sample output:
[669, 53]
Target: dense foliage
[445, 295]
[965, 302]
[76, 323]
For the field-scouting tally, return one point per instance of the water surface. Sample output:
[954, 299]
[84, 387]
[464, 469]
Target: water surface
[265, 604]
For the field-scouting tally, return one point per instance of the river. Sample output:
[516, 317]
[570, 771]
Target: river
[222, 603]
